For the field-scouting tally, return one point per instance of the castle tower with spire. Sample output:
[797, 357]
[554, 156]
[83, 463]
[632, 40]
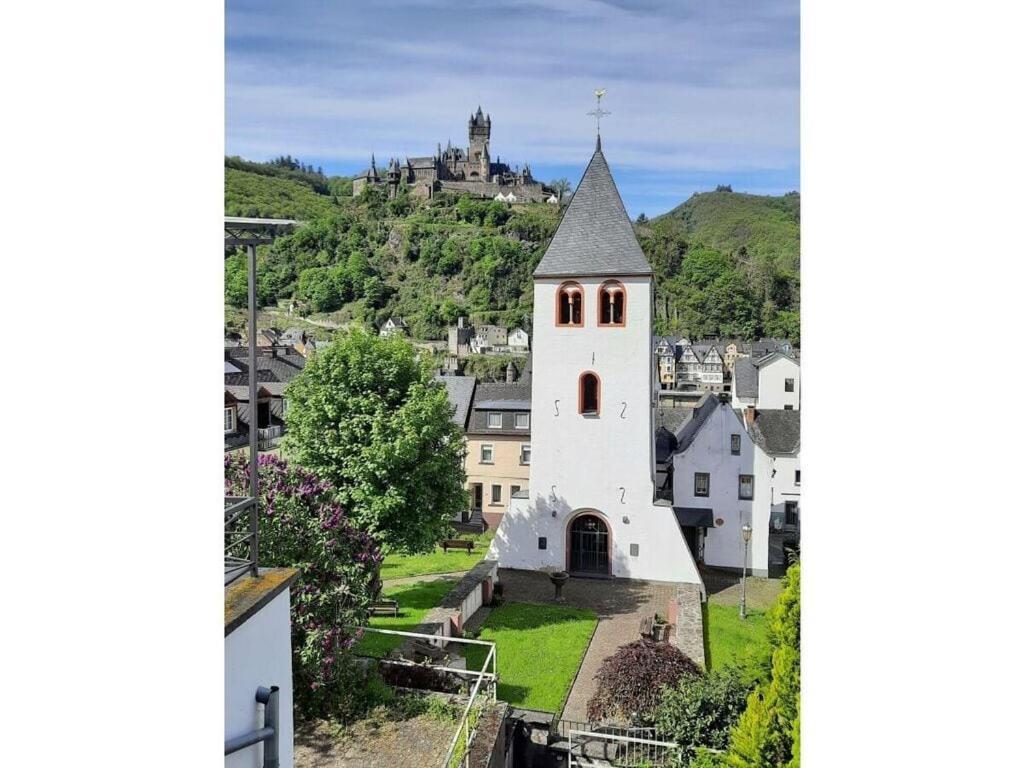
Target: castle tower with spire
[479, 144]
[394, 178]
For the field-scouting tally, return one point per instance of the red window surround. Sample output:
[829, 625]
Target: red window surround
[590, 394]
[611, 305]
[569, 306]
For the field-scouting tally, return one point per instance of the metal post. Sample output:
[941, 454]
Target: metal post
[743, 582]
[271, 719]
[254, 523]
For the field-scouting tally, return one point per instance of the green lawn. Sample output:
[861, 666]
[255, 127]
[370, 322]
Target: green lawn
[732, 640]
[414, 600]
[539, 647]
[402, 566]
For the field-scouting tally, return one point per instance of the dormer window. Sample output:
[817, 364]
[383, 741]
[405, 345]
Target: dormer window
[569, 305]
[612, 304]
[590, 394]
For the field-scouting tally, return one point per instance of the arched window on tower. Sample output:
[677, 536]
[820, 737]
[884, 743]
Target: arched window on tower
[612, 304]
[569, 305]
[590, 394]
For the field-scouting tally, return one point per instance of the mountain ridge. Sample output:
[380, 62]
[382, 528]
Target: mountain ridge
[725, 263]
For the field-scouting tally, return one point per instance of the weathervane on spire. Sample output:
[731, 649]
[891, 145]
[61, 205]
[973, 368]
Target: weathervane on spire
[599, 113]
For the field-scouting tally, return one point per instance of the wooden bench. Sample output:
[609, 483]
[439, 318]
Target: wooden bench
[384, 608]
[457, 544]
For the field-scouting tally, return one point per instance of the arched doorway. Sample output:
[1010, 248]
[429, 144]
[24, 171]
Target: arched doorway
[589, 545]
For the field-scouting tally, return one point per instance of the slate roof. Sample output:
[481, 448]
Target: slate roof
[777, 432]
[673, 419]
[282, 368]
[506, 399]
[595, 236]
[664, 445]
[460, 395]
[744, 378]
[703, 410]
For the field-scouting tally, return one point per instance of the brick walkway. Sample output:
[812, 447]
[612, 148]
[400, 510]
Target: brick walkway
[619, 604]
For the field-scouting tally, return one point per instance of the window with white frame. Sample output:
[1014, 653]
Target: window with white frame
[494, 421]
[229, 420]
[524, 454]
[486, 454]
[735, 445]
[746, 487]
[701, 484]
[522, 421]
[495, 494]
[796, 477]
[790, 385]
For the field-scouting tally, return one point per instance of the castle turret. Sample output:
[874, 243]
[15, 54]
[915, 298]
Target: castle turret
[394, 176]
[479, 138]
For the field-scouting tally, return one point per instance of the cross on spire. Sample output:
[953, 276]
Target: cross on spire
[598, 113]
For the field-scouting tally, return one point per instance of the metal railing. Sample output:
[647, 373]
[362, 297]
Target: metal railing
[241, 537]
[268, 435]
[458, 750]
[621, 751]
[560, 728]
[268, 734]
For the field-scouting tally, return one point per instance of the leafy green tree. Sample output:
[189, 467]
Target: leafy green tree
[701, 711]
[367, 415]
[767, 734]
[562, 186]
[236, 281]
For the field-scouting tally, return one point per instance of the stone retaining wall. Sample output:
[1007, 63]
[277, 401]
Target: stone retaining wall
[689, 622]
[473, 590]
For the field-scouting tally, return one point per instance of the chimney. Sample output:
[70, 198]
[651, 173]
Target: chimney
[510, 373]
[749, 413]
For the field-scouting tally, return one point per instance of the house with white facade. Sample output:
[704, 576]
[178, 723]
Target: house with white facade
[590, 506]
[518, 340]
[767, 383]
[258, 666]
[394, 325]
[740, 467]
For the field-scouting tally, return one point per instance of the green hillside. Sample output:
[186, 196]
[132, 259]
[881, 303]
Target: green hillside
[725, 263]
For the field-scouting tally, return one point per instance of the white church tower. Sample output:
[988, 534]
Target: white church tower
[590, 507]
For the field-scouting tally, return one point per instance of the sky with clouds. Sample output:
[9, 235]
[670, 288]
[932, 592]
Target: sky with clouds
[701, 92]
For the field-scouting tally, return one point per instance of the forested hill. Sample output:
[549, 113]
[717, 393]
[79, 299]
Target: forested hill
[725, 263]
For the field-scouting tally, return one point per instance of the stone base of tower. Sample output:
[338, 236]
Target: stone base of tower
[642, 543]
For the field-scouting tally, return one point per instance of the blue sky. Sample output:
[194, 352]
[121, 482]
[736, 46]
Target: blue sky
[702, 92]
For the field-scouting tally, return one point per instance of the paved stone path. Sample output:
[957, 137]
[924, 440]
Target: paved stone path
[620, 604]
[425, 577]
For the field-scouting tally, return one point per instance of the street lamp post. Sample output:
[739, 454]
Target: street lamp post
[746, 531]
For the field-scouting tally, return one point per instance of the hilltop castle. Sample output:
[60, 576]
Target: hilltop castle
[455, 169]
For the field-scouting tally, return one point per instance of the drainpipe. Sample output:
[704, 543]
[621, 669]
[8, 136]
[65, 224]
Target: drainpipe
[269, 734]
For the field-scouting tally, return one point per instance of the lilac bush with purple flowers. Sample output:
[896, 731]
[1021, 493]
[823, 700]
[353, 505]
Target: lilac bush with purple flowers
[302, 525]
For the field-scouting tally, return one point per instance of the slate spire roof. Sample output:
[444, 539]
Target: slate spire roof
[595, 236]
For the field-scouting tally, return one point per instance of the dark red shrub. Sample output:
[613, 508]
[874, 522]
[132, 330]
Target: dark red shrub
[629, 681]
